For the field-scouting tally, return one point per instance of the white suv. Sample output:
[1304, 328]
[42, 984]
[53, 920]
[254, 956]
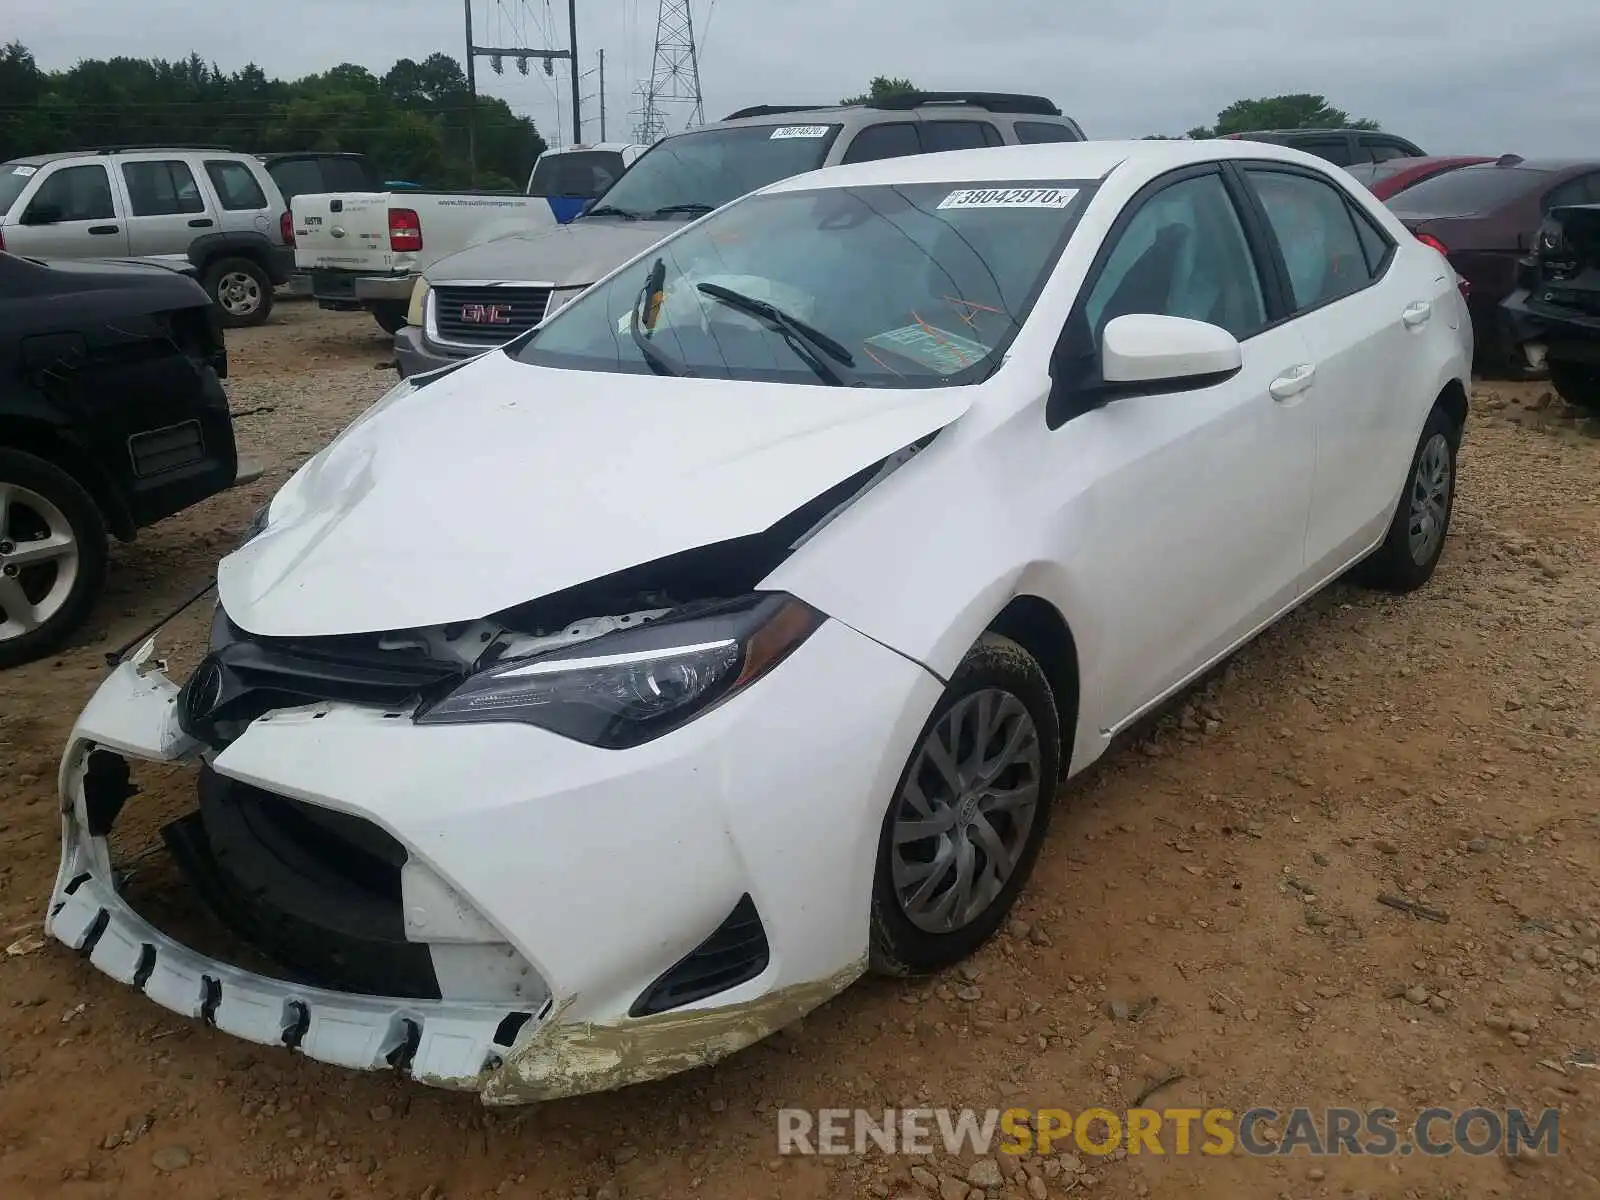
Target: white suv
[216, 209]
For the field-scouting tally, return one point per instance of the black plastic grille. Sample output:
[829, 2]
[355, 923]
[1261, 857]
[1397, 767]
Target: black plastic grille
[487, 316]
[736, 953]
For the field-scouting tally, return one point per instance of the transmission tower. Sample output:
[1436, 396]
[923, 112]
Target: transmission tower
[674, 74]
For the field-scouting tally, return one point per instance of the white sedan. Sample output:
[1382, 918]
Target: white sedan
[591, 709]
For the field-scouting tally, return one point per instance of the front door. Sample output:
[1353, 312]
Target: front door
[71, 214]
[1195, 524]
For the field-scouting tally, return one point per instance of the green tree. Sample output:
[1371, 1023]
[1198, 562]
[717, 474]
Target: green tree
[412, 120]
[1300, 110]
[881, 88]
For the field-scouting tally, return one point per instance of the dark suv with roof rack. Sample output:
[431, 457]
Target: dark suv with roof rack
[488, 294]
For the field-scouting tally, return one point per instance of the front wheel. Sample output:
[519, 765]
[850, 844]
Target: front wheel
[52, 556]
[1578, 384]
[1411, 550]
[965, 826]
[241, 289]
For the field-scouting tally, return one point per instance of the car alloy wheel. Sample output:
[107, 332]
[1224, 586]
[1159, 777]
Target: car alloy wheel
[38, 560]
[962, 819]
[1430, 499]
[239, 294]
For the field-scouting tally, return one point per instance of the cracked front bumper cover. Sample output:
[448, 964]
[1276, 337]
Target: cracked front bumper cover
[507, 1056]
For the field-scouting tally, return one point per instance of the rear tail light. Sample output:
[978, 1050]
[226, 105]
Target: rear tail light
[286, 228]
[1427, 239]
[405, 230]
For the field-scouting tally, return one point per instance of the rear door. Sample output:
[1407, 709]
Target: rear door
[1361, 318]
[71, 212]
[167, 207]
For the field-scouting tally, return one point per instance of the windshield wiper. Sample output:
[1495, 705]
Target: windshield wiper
[673, 209]
[658, 359]
[802, 338]
[609, 210]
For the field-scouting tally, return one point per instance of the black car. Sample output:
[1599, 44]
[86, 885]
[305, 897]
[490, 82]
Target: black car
[1341, 147]
[1557, 302]
[112, 416]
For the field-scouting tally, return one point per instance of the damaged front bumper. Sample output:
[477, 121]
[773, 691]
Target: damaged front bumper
[558, 879]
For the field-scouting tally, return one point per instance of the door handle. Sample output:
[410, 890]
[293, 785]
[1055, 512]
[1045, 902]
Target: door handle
[1416, 314]
[97, 230]
[201, 223]
[1292, 382]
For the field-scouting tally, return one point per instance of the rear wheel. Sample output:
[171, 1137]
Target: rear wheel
[965, 826]
[241, 289]
[390, 315]
[52, 556]
[1577, 383]
[1411, 550]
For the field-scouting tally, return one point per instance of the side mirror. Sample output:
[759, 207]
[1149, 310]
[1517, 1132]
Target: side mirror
[42, 214]
[1144, 352]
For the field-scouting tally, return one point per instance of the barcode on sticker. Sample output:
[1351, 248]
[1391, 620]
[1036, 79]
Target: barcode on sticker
[799, 131]
[1009, 198]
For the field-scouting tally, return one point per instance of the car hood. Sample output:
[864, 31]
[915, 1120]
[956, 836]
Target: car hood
[497, 483]
[574, 255]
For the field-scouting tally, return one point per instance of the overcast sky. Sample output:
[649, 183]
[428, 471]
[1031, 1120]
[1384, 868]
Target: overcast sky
[1484, 76]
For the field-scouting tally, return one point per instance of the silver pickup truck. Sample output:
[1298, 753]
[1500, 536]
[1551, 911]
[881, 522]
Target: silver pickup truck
[486, 295]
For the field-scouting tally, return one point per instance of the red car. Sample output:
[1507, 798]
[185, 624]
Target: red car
[1393, 175]
[1483, 218]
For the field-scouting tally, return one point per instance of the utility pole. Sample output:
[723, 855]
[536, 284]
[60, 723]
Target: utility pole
[522, 54]
[602, 95]
[674, 72]
[572, 51]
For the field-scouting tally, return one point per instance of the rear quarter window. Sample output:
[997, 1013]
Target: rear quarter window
[235, 185]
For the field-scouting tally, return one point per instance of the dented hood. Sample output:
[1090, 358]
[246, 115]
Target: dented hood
[499, 482]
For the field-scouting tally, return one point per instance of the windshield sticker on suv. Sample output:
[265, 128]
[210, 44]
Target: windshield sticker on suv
[939, 349]
[23, 171]
[1010, 198]
[799, 131]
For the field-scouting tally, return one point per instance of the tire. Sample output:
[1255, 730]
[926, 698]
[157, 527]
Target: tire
[1578, 384]
[907, 935]
[241, 290]
[39, 502]
[390, 315]
[1403, 563]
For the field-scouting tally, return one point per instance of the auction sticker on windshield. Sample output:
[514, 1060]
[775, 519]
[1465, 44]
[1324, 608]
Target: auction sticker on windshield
[23, 171]
[799, 131]
[939, 349]
[1010, 198]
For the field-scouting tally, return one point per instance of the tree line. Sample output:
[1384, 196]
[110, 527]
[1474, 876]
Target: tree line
[411, 121]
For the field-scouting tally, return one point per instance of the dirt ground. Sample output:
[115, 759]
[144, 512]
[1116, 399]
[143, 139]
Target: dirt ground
[1228, 862]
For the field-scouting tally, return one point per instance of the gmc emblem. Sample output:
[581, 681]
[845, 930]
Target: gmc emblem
[486, 314]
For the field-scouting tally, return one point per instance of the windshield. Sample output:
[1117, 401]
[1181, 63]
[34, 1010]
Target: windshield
[908, 285]
[1466, 191]
[13, 178]
[701, 171]
[579, 173]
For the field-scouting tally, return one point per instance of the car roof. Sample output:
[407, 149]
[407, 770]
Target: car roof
[58, 155]
[1313, 132]
[1048, 160]
[552, 151]
[924, 106]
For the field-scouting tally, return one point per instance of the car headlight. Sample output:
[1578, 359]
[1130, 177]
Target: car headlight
[626, 688]
[560, 298]
[419, 300]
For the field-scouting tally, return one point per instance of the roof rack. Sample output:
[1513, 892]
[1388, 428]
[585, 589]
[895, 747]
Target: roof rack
[1004, 102]
[773, 110]
[152, 146]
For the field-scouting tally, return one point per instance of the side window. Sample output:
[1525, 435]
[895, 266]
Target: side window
[1383, 151]
[297, 177]
[347, 175]
[875, 142]
[1033, 133]
[1183, 254]
[76, 193]
[1335, 149]
[958, 135]
[1317, 234]
[1375, 244]
[235, 185]
[162, 189]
